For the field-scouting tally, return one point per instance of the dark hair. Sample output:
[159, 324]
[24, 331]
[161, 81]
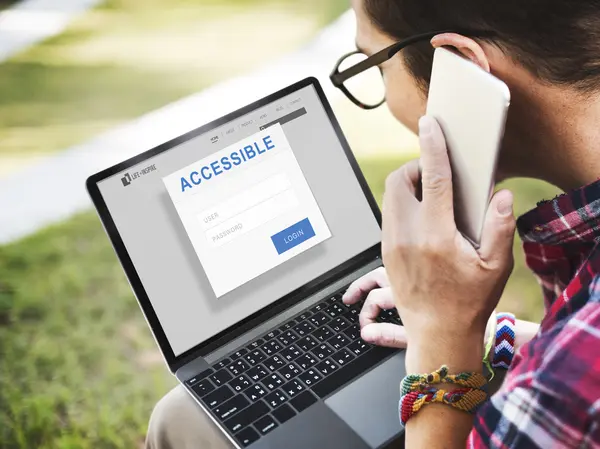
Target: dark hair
[556, 40]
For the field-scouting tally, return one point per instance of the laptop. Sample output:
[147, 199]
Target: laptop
[239, 239]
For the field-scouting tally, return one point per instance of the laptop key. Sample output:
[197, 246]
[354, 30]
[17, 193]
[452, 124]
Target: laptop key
[221, 377]
[199, 377]
[271, 335]
[339, 324]
[318, 319]
[257, 373]
[306, 361]
[222, 364]
[290, 371]
[284, 413]
[304, 328]
[332, 299]
[255, 357]
[238, 367]
[247, 436]
[256, 344]
[288, 337]
[275, 399]
[319, 307]
[352, 315]
[326, 367]
[323, 334]
[343, 357]
[335, 310]
[240, 383]
[273, 381]
[338, 342]
[303, 401]
[322, 351]
[255, 392]
[271, 347]
[310, 377]
[247, 416]
[274, 363]
[219, 396]
[231, 407]
[304, 316]
[353, 332]
[203, 387]
[291, 353]
[346, 373]
[293, 388]
[307, 343]
[265, 424]
[289, 325]
[359, 347]
[236, 355]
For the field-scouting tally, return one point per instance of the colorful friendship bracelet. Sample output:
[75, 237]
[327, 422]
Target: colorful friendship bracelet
[504, 348]
[420, 382]
[465, 399]
[491, 329]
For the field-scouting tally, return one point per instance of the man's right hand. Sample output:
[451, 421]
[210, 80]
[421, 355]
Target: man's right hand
[375, 287]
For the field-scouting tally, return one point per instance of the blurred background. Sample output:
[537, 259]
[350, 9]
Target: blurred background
[87, 83]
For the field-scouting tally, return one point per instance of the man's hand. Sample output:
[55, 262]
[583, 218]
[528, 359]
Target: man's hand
[443, 288]
[374, 286]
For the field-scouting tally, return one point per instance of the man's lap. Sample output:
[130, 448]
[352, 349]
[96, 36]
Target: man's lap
[177, 422]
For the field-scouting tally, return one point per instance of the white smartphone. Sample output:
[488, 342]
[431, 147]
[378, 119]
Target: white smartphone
[471, 106]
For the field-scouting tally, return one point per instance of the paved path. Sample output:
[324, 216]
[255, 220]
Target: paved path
[31, 21]
[53, 189]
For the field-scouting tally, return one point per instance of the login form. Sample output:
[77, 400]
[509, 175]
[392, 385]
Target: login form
[247, 208]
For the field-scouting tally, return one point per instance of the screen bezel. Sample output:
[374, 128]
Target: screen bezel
[202, 349]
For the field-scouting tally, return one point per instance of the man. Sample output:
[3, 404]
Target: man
[548, 53]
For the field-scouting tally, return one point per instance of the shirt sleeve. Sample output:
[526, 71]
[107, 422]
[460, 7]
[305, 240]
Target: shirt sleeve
[550, 396]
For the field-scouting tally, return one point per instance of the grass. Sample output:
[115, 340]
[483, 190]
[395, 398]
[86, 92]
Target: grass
[128, 57]
[79, 366]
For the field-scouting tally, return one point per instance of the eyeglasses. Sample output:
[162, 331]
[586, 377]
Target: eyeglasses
[360, 77]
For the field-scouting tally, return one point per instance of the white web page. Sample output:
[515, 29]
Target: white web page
[247, 208]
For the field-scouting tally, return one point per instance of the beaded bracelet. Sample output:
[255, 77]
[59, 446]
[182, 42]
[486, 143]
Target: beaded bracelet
[504, 348]
[421, 382]
[465, 399]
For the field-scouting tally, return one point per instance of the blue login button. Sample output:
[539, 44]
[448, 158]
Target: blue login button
[293, 236]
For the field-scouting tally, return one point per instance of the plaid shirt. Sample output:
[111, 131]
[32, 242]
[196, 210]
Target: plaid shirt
[550, 397]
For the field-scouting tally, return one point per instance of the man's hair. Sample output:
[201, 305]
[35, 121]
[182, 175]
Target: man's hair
[556, 40]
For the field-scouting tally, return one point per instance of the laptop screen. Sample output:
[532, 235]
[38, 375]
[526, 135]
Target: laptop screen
[228, 222]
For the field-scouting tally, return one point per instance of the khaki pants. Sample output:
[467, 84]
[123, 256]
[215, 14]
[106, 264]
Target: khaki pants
[177, 422]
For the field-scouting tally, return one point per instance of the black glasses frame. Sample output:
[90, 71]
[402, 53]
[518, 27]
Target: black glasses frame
[339, 78]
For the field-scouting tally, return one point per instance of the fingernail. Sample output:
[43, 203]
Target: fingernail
[505, 205]
[425, 126]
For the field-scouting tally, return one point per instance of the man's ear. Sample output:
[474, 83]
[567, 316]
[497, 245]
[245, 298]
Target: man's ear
[465, 46]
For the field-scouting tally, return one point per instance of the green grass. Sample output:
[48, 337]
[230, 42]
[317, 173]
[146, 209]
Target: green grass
[128, 57]
[79, 369]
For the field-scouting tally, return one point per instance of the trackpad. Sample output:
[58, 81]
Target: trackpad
[370, 404]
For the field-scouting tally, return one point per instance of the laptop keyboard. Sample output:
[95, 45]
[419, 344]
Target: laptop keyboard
[259, 387]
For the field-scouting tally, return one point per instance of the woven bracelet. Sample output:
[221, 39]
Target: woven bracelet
[504, 348]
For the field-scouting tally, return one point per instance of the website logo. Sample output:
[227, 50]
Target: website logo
[129, 177]
[126, 180]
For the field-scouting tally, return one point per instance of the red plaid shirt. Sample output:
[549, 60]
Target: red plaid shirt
[551, 394]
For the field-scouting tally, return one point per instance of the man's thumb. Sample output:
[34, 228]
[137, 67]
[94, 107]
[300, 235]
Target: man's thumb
[499, 228]
[384, 334]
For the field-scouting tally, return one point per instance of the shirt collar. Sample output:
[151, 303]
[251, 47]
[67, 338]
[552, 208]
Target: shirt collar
[568, 218]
